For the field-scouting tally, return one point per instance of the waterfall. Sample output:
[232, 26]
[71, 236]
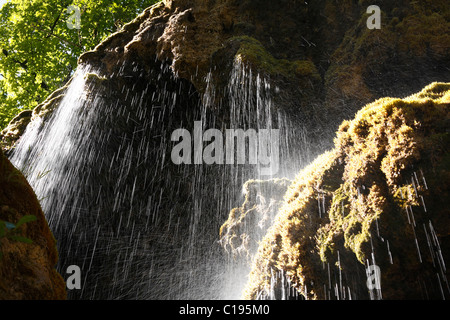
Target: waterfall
[136, 224]
[117, 207]
[142, 227]
[48, 150]
[252, 104]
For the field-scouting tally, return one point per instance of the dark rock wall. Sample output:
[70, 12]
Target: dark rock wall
[322, 64]
[321, 57]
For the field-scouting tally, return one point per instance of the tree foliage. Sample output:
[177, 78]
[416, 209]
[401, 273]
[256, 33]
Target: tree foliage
[39, 48]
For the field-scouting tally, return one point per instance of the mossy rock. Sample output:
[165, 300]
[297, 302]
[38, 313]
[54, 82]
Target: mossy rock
[392, 174]
[253, 53]
[94, 79]
[14, 130]
[27, 269]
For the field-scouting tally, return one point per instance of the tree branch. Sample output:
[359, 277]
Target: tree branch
[40, 28]
[54, 23]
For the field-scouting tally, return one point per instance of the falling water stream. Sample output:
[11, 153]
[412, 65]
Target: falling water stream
[137, 225]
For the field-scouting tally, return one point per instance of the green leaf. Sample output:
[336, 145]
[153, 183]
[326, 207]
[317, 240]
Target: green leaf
[38, 52]
[20, 239]
[25, 219]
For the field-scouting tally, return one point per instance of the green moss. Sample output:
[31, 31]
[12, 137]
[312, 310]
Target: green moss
[252, 52]
[94, 78]
[372, 188]
[346, 224]
[46, 108]
[410, 33]
[423, 32]
[435, 91]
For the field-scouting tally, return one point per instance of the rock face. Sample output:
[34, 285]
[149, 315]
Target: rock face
[320, 56]
[15, 129]
[378, 198]
[245, 225]
[27, 270]
[320, 51]
[316, 60]
[322, 60]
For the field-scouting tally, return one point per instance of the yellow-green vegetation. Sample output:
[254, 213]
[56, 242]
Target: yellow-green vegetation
[93, 78]
[368, 197]
[427, 30]
[419, 31]
[253, 53]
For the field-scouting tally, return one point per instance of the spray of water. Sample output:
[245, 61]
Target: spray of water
[136, 224]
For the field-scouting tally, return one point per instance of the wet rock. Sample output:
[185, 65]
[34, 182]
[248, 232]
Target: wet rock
[15, 129]
[377, 199]
[27, 270]
[245, 226]
[321, 57]
[322, 64]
